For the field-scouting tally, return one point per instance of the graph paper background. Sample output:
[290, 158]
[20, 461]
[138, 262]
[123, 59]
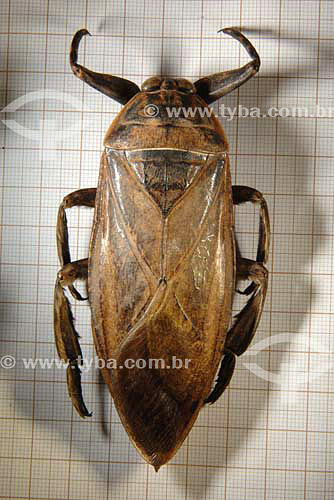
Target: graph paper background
[269, 437]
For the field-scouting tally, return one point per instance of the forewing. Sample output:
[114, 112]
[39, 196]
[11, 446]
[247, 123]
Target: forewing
[163, 291]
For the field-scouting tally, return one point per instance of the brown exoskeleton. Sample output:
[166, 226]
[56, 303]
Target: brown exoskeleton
[163, 260]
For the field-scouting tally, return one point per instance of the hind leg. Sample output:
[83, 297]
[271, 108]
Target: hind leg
[246, 321]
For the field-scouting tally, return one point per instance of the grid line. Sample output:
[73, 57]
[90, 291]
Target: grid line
[261, 439]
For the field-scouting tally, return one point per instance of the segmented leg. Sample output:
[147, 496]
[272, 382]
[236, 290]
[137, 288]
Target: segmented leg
[245, 323]
[224, 377]
[242, 194]
[82, 197]
[119, 89]
[244, 327]
[212, 87]
[66, 336]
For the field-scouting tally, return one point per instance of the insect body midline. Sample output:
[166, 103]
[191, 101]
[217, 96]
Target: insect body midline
[152, 308]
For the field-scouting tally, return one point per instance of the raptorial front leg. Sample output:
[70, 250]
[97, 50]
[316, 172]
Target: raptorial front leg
[66, 336]
[246, 322]
[212, 87]
[117, 88]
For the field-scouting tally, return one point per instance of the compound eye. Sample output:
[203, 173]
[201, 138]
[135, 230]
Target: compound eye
[185, 90]
[185, 86]
[151, 85]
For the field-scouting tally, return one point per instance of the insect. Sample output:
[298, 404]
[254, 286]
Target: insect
[163, 263]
